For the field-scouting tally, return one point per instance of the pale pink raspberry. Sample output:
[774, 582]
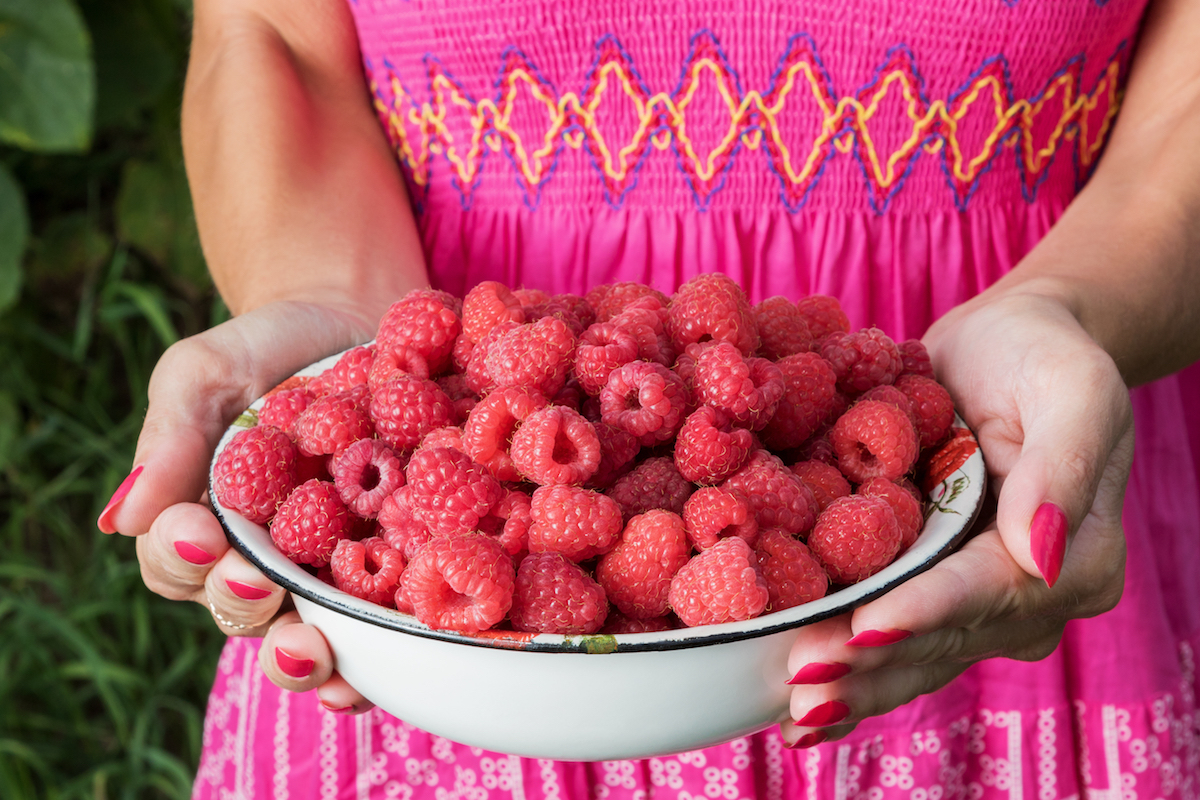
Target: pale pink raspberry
[554, 595]
[578, 523]
[712, 514]
[644, 399]
[636, 574]
[488, 431]
[721, 584]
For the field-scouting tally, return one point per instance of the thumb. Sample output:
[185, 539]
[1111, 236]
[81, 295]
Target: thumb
[198, 388]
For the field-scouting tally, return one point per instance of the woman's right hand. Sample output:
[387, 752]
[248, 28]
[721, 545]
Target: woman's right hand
[198, 388]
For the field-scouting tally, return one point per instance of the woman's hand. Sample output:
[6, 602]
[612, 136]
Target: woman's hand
[198, 388]
[1053, 418]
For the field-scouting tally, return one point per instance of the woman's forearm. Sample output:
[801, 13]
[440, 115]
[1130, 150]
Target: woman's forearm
[297, 194]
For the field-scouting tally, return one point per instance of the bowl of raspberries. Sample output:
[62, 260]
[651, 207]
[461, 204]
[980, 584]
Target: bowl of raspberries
[588, 528]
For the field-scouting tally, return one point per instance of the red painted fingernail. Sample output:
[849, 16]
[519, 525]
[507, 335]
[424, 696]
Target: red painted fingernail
[103, 522]
[879, 638]
[808, 740]
[336, 709]
[1048, 540]
[246, 591]
[829, 713]
[296, 667]
[819, 673]
[192, 554]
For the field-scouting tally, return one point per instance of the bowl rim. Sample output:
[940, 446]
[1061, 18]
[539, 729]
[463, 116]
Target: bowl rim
[957, 501]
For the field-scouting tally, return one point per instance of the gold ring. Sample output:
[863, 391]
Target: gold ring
[221, 620]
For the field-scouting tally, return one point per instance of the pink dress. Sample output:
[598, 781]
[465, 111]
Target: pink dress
[899, 154]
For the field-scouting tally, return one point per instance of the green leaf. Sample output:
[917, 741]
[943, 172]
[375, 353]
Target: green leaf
[14, 232]
[135, 58]
[10, 427]
[47, 82]
[154, 214]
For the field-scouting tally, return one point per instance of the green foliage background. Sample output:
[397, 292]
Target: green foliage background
[102, 684]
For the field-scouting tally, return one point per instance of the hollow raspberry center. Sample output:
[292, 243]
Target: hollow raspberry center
[565, 451]
[866, 456]
[633, 401]
[370, 477]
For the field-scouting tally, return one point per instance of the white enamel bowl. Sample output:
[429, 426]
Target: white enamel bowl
[589, 698]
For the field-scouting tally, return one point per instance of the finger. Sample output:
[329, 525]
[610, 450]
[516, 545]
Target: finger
[341, 698]
[241, 600]
[796, 737]
[183, 544]
[295, 656]
[854, 698]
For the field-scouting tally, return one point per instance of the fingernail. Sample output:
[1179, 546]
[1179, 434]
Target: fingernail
[879, 638]
[336, 709]
[103, 522]
[829, 713]
[808, 740]
[246, 591]
[296, 667]
[819, 673]
[192, 554]
[1048, 540]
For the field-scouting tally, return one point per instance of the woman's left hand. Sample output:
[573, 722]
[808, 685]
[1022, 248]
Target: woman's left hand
[1053, 418]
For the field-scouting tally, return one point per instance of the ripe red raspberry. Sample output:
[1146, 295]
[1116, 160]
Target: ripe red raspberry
[479, 377]
[462, 583]
[602, 348]
[332, 423]
[398, 361]
[646, 400]
[369, 569]
[749, 390]
[570, 395]
[931, 406]
[873, 440]
[855, 537]
[351, 370]
[616, 298]
[712, 514]
[809, 400]
[559, 312]
[782, 328]
[449, 492]
[509, 520]
[450, 436]
[887, 393]
[530, 297]
[578, 523]
[555, 445]
[824, 316]
[619, 623]
[366, 473]
[425, 321]
[256, 472]
[685, 364]
[826, 481]
[915, 358]
[862, 359]
[579, 306]
[405, 409]
[489, 428]
[618, 449]
[709, 449]
[636, 574]
[721, 584]
[554, 595]
[655, 483]
[819, 448]
[486, 305]
[310, 523]
[398, 527]
[793, 574]
[460, 394]
[712, 307]
[280, 409]
[460, 356]
[909, 513]
[779, 498]
[648, 328]
[536, 356]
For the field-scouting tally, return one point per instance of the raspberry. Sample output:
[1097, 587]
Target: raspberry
[536, 356]
[748, 390]
[460, 356]
[509, 521]
[570, 395]
[398, 527]
[721, 584]
[281, 409]
[887, 393]
[530, 297]
[855, 537]
[559, 312]
[449, 492]
[462, 583]
[909, 513]
[708, 449]
[450, 436]
[256, 472]
[555, 445]
[931, 407]
[618, 449]
[619, 623]
[488, 431]
[310, 523]
[685, 364]
[368, 569]
[602, 348]
[646, 400]
[460, 394]
[579, 306]
[479, 377]
[553, 595]
[915, 358]
[778, 497]
[636, 574]
[712, 307]
[332, 423]
[655, 483]
[405, 409]
[618, 296]
[874, 439]
[862, 359]
[401, 360]
[350, 370]
[712, 514]
[826, 481]
[824, 316]
[793, 574]
[782, 328]
[578, 523]
[486, 305]
[809, 400]
[366, 473]
[648, 328]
